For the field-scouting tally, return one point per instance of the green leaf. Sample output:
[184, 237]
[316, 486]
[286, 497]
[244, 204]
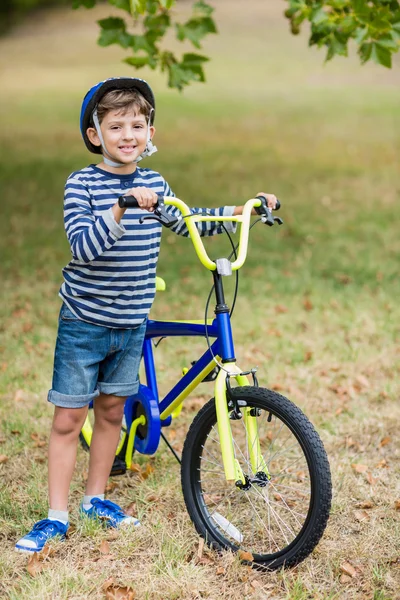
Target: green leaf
[203, 8]
[122, 4]
[361, 35]
[112, 23]
[381, 55]
[167, 3]
[137, 7]
[113, 31]
[85, 3]
[193, 60]
[195, 29]
[137, 61]
[389, 42]
[365, 51]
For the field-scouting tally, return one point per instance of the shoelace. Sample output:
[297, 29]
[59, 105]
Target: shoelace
[41, 526]
[114, 508]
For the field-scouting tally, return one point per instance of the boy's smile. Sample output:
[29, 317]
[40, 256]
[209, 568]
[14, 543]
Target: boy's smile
[124, 135]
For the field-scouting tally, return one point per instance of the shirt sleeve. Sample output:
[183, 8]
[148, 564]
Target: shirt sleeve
[205, 228]
[88, 236]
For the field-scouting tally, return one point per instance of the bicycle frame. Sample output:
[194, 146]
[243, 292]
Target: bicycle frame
[147, 413]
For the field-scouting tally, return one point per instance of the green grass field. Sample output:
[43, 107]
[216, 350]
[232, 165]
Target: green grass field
[318, 310]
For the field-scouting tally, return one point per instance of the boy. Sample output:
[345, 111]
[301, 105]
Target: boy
[107, 293]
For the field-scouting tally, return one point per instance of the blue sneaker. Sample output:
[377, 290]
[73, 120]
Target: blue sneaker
[41, 533]
[110, 512]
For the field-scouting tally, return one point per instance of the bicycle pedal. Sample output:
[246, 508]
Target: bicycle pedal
[118, 468]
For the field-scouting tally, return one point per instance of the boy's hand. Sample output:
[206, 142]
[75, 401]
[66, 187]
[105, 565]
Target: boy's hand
[146, 198]
[270, 198]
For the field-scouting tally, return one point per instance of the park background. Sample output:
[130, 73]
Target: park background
[318, 310]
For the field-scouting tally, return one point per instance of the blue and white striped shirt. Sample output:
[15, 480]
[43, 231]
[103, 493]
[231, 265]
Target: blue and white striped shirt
[110, 280]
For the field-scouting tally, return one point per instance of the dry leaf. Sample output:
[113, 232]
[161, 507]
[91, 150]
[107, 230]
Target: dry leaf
[277, 387]
[200, 548]
[382, 464]
[243, 555]
[148, 471]
[110, 487]
[371, 480]
[280, 308]
[131, 511]
[255, 584]
[136, 468]
[348, 569]
[39, 444]
[108, 582]
[104, 547]
[15, 432]
[220, 571]
[3, 458]
[362, 381]
[359, 468]
[365, 504]
[20, 396]
[345, 578]
[47, 552]
[115, 592]
[152, 498]
[385, 441]
[172, 434]
[397, 504]
[308, 356]
[113, 535]
[308, 305]
[26, 327]
[361, 515]
[34, 566]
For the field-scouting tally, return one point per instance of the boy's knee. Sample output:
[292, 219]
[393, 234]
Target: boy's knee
[68, 421]
[112, 412]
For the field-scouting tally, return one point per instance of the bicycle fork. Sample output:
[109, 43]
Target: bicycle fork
[232, 468]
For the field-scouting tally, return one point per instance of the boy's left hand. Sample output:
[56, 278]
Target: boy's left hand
[270, 198]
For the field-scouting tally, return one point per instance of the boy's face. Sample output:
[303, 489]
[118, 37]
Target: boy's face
[124, 134]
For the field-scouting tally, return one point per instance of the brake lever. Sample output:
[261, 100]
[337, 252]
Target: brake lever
[162, 216]
[268, 219]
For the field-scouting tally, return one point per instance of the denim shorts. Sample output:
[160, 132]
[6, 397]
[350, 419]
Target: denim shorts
[90, 359]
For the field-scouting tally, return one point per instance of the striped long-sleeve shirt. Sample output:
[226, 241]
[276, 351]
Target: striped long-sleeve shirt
[110, 280]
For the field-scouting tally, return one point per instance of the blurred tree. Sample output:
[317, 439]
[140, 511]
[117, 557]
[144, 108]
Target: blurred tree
[373, 25]
[13, 10]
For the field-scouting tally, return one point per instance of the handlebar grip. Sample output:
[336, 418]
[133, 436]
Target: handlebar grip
[131, 202]
[127, 202]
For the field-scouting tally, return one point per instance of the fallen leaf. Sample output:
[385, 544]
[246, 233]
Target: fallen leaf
[152, 498]
[113, 535]
[308, 305]
[135, 468]
[47, 552]
[397, 504]
[107, 583]
[382, 464]
[104, 547]
[359, 468]
[3, 458]
[20, 396]
[345, 579]
[131, 511]
[34, 566]
[385, 441]
[277, 387]
[243, 555]
[220, 571]
[348, 569]
[26, 327]
[148, 471]
[172, 434]
[365, 504]
[116, 592]
[361, 515]
[362, 381]
[308, 356]
[15, 432]
[255, 584]
[200, 548]
[371, 480]
[110, 487]
[280, 308]
[40, 444]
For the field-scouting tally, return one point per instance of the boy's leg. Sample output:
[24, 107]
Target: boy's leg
[108, 414]
[67, 423]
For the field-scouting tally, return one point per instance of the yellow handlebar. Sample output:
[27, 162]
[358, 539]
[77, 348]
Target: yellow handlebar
[243, 219]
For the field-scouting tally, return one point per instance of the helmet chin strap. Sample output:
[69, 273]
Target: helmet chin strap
[148, 151]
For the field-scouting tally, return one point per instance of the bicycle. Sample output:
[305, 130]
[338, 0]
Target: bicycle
[255, 475]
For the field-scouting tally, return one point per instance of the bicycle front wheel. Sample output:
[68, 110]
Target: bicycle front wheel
[279, 512]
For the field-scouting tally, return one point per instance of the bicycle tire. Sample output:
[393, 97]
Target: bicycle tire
[262, 520]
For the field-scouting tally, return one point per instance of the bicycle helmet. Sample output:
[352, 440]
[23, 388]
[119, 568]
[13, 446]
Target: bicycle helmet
[93, 97]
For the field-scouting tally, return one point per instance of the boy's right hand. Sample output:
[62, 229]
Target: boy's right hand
[146, 197]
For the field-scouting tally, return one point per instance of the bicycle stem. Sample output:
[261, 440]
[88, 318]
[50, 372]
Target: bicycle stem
[191, 220]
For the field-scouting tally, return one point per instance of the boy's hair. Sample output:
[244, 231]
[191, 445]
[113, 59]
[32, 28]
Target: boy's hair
[122, 101]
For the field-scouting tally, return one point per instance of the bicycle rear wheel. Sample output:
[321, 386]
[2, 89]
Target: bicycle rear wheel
[278, 515]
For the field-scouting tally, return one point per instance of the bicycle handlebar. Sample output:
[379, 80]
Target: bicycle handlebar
[161, 215]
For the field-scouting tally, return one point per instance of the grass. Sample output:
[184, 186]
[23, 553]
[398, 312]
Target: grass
[318, 308]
